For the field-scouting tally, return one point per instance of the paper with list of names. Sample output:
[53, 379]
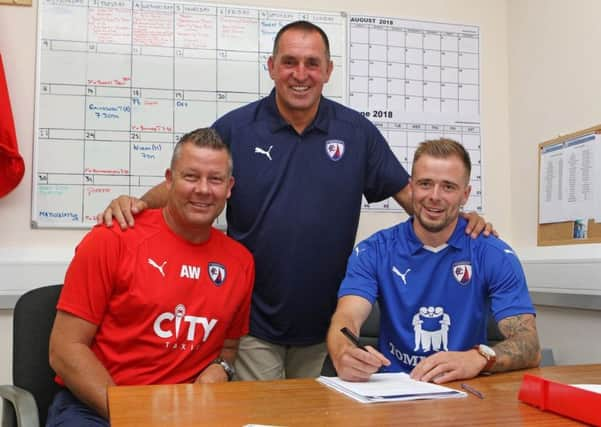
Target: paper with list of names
[388, 387]
[569, 177]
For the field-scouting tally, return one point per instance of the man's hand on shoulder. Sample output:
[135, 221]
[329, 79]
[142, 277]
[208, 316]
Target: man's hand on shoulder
[446, 366]
[123, 209]
[477, 225]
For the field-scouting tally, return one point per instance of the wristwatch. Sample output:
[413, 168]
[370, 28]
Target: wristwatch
[229, 369]
[489, 354]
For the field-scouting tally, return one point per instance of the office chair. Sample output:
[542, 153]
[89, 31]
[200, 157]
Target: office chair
[25, 404]
[371, 330]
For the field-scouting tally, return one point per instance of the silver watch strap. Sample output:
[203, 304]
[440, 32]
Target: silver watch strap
[229, 369]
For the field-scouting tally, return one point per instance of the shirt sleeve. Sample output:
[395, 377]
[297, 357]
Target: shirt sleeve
[90, 276]
[222, 128]
[385, 174]
[361, 273]
[508, 290]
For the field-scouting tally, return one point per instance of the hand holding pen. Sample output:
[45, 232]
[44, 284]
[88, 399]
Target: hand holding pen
[352, 338]
[360, 362]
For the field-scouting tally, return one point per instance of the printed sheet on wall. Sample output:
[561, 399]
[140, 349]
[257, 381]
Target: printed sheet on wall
[418, 80]
[120, 84]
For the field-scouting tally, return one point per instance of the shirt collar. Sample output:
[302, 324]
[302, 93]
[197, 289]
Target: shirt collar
[277, 122]
[456, 239]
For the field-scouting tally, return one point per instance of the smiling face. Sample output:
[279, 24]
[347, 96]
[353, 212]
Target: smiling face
[199, 183]
[440, 186]
[299, 68]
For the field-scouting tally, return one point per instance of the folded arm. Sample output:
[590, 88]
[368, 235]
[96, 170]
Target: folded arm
[73, 360]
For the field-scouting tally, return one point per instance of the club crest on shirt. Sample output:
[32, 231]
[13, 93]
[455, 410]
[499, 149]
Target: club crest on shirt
[335, 149]
[462, 271]
[217, 273]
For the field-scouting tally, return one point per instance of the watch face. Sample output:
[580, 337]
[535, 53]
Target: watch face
[487, 351]
[229, 369]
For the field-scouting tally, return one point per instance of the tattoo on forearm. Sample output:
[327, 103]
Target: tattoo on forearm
[521, 348]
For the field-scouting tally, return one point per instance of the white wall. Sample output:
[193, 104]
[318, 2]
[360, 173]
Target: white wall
[22, 245]
[538, 79]
[554, 88]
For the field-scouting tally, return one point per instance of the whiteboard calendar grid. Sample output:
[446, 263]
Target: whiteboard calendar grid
[125, 79]
[417, 80]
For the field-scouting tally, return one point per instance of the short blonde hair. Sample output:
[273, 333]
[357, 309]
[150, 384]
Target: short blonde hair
[443, 148]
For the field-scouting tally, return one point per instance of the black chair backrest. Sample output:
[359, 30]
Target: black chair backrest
[32, 322]
[371, 327]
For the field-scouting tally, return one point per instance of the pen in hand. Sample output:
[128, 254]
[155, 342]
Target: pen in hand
[352, 338]
[472, 390]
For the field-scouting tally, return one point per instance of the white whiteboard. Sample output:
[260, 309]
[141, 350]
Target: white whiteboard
[119, 81]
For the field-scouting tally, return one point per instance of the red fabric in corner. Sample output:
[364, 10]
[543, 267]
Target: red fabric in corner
[12, 166]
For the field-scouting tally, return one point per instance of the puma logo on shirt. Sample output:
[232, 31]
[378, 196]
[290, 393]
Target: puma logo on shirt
[259, 150]
[158, 267]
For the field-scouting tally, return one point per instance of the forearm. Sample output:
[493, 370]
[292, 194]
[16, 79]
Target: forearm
[521, 348]
[336, 341]
[84, 375]
[156, 197]
[351, 313]
[352, 363]
[403, 198]
[214, 372]
[229, 351]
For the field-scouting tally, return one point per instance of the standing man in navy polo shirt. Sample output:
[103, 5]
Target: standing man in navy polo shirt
[435, 287]
[301, 163]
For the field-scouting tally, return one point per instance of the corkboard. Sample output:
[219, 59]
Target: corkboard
[561, 233]
[15, 2]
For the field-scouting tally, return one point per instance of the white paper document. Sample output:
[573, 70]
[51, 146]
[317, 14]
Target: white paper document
[388, 387]
[551, 197]
[569, 177]
[595, 388]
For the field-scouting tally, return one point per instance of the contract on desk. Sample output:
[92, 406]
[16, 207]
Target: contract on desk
[388, 387]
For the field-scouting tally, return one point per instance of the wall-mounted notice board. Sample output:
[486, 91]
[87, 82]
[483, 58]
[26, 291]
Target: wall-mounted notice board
[569, 189]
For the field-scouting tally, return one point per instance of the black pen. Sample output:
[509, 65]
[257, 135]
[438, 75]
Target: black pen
[352, 338]
[472, 390]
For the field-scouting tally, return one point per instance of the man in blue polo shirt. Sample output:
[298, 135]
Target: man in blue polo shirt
[435, 287]
[301, 163]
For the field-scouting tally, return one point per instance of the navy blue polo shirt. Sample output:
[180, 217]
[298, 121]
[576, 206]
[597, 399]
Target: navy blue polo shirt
[296, 204]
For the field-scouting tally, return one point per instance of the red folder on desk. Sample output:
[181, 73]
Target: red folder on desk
[563, 399]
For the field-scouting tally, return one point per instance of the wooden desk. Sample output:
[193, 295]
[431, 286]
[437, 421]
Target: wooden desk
[309, 403]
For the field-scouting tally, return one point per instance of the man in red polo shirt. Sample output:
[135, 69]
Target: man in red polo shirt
[164, 302]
